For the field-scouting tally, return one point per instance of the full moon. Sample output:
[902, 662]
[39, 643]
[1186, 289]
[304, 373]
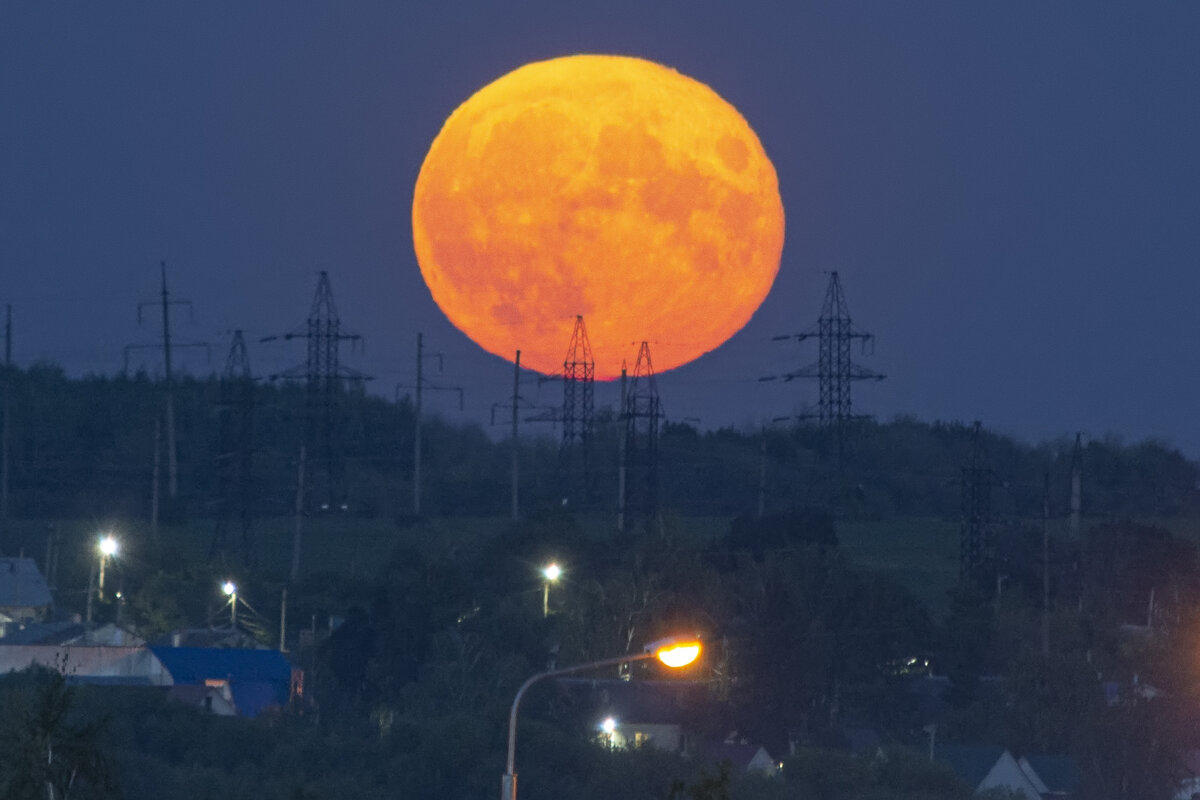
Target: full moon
[603, 186]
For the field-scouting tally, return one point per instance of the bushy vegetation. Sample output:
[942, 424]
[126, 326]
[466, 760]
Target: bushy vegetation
[819, 614]
[84, 448]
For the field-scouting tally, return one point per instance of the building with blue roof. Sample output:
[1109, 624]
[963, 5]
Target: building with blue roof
[256, 679]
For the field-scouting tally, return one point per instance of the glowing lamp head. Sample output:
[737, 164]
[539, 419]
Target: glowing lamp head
[675, 653]
[608, 725]
[552, 572]
[108, 546]
[229, 588]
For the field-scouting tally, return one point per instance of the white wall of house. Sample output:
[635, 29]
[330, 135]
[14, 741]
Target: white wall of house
[82, 662]
[762, 762]
[662, 736]
[1007, 773]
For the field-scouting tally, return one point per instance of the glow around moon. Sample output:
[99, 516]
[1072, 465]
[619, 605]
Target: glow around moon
[605, 186]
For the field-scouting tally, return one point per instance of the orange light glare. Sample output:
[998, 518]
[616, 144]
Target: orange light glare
[679, 654]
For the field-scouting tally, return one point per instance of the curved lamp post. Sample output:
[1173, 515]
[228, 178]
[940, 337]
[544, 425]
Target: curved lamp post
[674, 652]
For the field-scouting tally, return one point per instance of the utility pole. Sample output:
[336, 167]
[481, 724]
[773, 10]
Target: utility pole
[762, 474]
[1046, 567]
[622, 444]
[165, 302]
[168, 346]
[516, 466]
[419, 387]
[283, 621]
[6, 433]
[515, 404]
[977, 548]
[417, 430]
[1076, 486]
[91, 590]
[155, 482]
[172, 458]
[299, 519]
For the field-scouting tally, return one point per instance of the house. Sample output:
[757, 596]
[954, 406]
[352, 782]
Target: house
[641, 713]
[256, 680]
[984, 767]
[24, 595]
[1189, 785]
[1053, 776]
[96, 664]
[68, 632]
[742, 756]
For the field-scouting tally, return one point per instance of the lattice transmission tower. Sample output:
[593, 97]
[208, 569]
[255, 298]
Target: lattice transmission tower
[835, 369]
[977, 539]
[325, 383]
[235, 456]
[578, 408]
[642, 415]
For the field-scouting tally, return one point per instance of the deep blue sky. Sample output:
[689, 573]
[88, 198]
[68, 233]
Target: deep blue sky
[1011, 191]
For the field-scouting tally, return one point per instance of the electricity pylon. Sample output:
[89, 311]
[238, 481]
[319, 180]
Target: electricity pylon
[325, 381]
[977, 539]
[835, 370]
[641, 411]
[235, 455]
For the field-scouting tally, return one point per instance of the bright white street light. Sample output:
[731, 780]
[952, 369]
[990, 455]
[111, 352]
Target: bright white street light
[230, 590]
[551, 572]
[109, 546]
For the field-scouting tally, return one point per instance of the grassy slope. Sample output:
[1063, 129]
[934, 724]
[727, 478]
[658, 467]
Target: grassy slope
[920, 553]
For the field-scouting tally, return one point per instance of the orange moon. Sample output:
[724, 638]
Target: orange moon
[605, 186]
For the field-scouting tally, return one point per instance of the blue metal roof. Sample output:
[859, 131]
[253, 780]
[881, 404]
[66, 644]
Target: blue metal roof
[188, 664]
[258, 678]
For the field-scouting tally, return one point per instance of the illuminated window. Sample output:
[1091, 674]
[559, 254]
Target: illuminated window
[640, 738]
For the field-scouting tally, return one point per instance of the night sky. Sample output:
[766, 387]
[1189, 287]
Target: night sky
[1010, 191]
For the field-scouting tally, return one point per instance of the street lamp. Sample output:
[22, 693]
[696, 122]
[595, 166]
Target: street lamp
[675, 652]
[230, 590]
[108, 548]
[609, 726]
[551, 572]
